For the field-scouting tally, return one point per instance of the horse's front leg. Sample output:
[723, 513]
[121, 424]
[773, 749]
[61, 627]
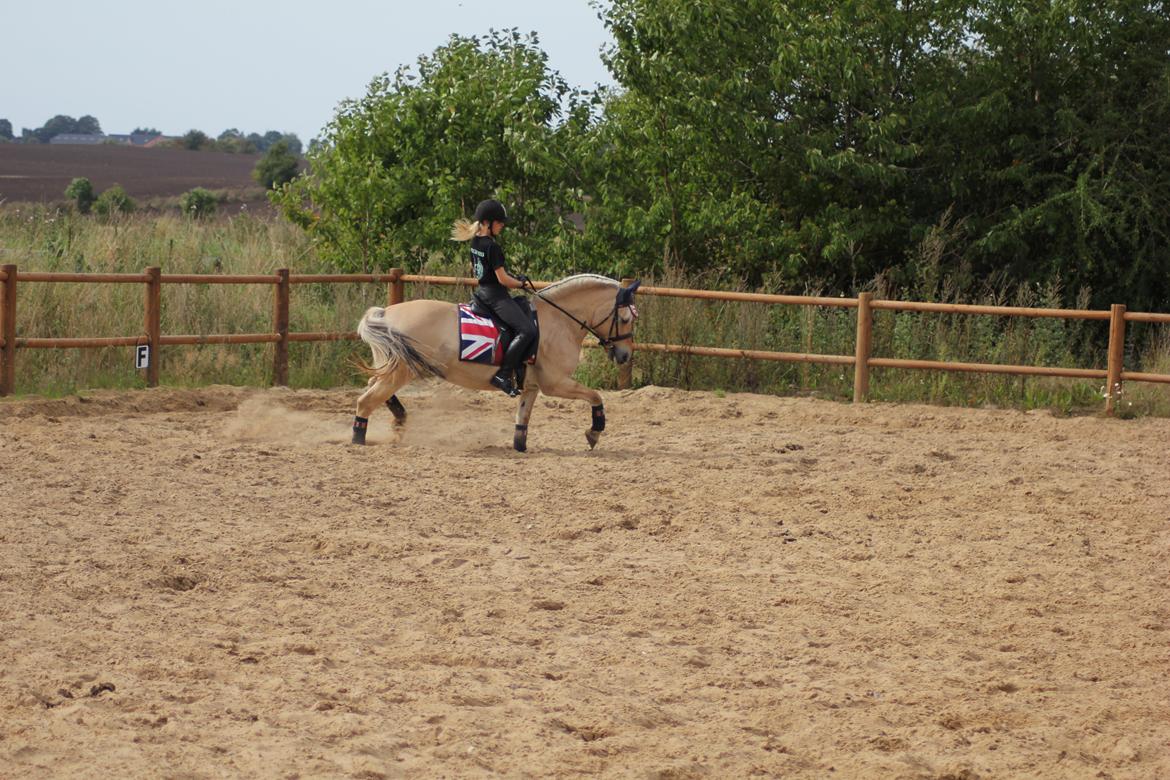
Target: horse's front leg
[523, 413]
[567, 388]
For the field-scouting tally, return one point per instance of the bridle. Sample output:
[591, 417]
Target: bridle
[613, 337]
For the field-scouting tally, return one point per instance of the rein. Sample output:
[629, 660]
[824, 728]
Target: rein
[605, 342]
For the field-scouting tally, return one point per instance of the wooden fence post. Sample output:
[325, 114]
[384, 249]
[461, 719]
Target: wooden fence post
[280, 325]
[809, 320]
[397, 292]
[864, 347]
[8, 333]
[1116, 356]
[626, 370]
[153, 323]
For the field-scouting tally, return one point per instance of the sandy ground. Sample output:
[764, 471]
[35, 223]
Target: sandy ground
[213, 583]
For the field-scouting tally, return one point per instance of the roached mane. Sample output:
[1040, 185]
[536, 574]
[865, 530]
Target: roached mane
[579, 280]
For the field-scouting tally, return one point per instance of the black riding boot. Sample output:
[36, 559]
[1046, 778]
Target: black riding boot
[502, 380]
[505, 377]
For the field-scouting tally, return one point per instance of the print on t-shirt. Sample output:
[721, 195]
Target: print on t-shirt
[477, 257]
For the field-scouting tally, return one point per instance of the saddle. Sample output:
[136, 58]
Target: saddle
[483, 338]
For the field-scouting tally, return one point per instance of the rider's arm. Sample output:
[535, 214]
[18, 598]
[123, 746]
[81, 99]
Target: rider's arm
[508, 280]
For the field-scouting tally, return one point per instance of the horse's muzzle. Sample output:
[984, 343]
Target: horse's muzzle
[620, 355]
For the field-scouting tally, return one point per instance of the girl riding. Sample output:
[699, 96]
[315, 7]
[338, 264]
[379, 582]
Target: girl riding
[488, 266]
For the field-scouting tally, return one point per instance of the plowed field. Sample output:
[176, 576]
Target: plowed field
[41, 172]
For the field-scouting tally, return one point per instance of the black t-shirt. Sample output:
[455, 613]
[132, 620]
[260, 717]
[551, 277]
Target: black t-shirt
[486, 257]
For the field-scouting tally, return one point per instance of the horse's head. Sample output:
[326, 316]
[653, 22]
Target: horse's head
[592, 303]
[619, 344]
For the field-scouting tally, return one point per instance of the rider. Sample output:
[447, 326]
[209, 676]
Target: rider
[487, 264]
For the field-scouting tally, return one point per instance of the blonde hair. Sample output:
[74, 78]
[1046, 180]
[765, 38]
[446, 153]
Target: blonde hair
[464, 230]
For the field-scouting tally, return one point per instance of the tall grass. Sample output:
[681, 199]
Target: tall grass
[57, 241]
[40, 240]
[925, 336]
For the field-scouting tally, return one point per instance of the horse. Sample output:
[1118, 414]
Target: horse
[419, 339]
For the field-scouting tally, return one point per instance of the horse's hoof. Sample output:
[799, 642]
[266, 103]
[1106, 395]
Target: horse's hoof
[592, 437]
[359, 436]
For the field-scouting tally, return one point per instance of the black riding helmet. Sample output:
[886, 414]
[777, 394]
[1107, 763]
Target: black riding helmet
[490, 211]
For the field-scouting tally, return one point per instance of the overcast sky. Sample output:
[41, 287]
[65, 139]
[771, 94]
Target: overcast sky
[217, 64]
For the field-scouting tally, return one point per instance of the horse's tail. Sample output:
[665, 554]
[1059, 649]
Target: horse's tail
[391, 348]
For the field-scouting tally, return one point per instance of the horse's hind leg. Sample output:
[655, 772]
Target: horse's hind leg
[380, 389]
[397, 409]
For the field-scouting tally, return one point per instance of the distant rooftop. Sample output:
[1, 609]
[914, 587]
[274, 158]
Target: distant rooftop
[133, 139]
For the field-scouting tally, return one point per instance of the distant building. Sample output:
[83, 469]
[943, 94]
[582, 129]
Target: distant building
[78, 138]
[133, 139]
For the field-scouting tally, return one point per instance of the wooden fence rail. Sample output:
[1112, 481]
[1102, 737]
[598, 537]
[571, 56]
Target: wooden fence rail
[396, 280]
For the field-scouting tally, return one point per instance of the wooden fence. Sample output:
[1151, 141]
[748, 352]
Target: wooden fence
[152, 280]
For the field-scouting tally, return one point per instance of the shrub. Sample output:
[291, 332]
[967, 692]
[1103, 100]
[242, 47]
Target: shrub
[113, 201]
[198, 203]
[276, 167]
[80, 191]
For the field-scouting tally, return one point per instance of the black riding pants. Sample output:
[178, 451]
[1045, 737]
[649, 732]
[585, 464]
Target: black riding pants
[514, 317]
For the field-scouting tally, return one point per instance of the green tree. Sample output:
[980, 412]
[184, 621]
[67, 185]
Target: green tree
[232, 140]
[1055, 148]
[198, 203]
[263, 142]
[294, 143]
[277, 167]
[795, 144]
[476, 118]
[89, 125]
[820, 141]
[80, 191]
[5, 130]
[145, 131]
[55, 126]
[113, 202]
[763, 139]
[194, 140]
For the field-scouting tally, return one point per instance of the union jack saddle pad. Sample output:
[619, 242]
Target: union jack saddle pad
[479, 339]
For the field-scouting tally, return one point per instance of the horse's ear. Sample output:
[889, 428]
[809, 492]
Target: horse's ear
[625, 295]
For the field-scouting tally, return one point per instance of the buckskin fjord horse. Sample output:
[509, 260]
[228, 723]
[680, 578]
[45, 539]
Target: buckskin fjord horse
[421, 339]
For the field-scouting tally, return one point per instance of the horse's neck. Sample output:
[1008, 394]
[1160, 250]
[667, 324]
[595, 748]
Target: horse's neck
[584, 300]
[581, 302]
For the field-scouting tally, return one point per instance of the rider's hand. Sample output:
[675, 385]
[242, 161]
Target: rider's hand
[524, 280]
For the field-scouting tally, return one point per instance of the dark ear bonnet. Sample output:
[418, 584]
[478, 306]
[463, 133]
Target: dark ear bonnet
[625, 296]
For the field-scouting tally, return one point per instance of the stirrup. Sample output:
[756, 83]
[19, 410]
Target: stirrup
[502, 382]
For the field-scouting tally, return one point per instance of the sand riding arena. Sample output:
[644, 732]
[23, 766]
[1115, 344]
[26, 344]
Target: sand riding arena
[208, 583]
